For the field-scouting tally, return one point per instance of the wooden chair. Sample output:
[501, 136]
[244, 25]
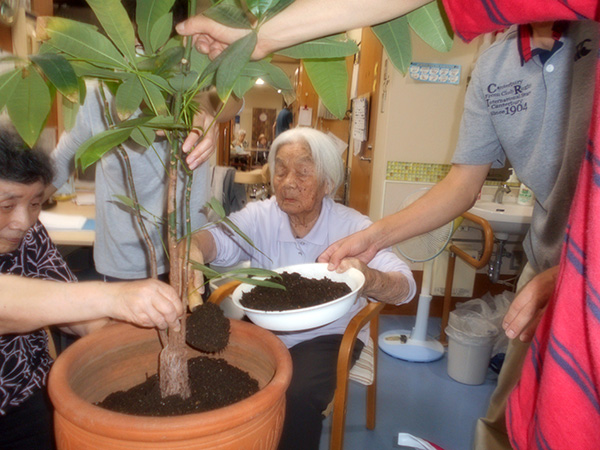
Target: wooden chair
[364, 371]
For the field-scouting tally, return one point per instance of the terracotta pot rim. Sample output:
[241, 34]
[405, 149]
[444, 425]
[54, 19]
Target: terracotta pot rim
[110, 423]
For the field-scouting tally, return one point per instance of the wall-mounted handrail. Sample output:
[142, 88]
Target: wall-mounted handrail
[488, 246]
[488, 243]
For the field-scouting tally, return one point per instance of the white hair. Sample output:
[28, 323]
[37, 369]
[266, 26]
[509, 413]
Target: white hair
[328, 162]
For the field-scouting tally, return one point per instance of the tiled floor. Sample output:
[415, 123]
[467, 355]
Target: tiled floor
[416, 398]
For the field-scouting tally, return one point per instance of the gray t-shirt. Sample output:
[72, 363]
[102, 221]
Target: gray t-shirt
[537, 115]
[119, 249]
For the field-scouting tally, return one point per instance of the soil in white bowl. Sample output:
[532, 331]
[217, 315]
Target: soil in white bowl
[300, 292]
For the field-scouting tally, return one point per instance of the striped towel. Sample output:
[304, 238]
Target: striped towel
[556, 404]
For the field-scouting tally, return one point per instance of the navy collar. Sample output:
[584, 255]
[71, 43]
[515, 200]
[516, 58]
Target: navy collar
[524, 42]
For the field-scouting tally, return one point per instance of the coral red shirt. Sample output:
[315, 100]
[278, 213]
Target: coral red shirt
[556, 404]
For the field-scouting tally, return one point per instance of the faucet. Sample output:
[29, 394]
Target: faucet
[499, 195]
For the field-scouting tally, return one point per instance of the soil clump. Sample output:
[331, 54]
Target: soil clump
[207, 328]
[214, 384]
[300, 292]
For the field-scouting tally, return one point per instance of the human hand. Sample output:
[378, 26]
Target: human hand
[147, 303]
[357, 245]
[202, 140]
[529, 305]
[208, 36]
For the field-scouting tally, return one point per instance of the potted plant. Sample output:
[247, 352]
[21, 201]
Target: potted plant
[164, 81]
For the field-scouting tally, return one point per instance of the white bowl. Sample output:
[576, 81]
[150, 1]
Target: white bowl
[313, 316]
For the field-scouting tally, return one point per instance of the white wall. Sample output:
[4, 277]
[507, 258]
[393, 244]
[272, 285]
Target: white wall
[417, 121]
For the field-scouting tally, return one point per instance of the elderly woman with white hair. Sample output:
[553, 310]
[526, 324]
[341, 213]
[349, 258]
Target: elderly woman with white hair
[294, 227]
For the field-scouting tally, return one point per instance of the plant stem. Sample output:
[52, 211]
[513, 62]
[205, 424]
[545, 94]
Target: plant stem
[132, 190]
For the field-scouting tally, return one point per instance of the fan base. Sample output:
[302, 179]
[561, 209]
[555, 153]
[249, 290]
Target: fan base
[399, 344]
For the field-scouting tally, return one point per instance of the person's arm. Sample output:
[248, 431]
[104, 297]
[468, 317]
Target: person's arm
[528, 307]
[448, 199]
[386, 287]
[28, 304]
[202, 141]
[303, 20]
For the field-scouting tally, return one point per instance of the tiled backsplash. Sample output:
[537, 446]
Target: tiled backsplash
[421, 172]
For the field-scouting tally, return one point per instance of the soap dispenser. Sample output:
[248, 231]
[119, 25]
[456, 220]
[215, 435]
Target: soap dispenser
[512, 179]
[525, 196]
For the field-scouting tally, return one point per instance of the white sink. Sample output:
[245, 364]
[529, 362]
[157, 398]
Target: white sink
[505, 218]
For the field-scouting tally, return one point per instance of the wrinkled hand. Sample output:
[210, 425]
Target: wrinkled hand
[210, 37]
[356, 245]
[529, 305]
[199, 145]
[147, 303]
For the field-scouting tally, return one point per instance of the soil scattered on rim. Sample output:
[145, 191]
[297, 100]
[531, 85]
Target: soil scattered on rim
[207, 328]
[214, 384]
[300, 292]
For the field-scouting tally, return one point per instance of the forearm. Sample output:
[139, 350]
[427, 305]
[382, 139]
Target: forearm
[386, 287]
[305, 20]
[448, 199]
[29, 304]
[204, 242]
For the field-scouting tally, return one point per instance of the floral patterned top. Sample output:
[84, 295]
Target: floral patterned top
[24, 358]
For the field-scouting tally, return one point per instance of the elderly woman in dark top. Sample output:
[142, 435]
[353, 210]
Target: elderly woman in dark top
[35, 292]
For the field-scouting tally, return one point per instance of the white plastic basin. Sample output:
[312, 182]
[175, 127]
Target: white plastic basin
[313, 316]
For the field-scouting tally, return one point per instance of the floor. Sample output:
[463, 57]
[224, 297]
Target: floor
[416, 398]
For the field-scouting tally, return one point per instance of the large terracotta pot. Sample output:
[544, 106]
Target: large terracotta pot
[121, 356]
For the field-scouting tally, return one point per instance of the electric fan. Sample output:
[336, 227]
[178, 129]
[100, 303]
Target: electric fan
[415, 345]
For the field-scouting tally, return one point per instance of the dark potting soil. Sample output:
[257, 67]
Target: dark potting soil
[214, 384]
[207, 328]
[300, 292]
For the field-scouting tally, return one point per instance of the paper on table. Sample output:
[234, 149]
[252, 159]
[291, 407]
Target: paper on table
[54, 221]
[85, 198]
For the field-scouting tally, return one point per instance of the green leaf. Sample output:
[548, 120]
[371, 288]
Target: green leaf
[242, 85]
[259, 7]
[143, 136]
[234, 59]
[255, 272]
[69, 113]
[277, 8]
[277, 78]
[206, 271]
[430, 25]
[327, 47]
[83, 42]
[153, 96]
[216, 206]
[161, 31]
[167, 60]
[146, 14]
[116, 23]
[129, 97]
[198, 61]
[181, 82]
[230, 13]
[85, 70]
[8, 83]
[259, 282]
[395, 38]
[29, 106]
[125, 200]
[60, 73]
[329, 77]
[94, 148]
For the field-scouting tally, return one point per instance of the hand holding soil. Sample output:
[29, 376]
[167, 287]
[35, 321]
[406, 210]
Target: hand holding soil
[147, 303]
